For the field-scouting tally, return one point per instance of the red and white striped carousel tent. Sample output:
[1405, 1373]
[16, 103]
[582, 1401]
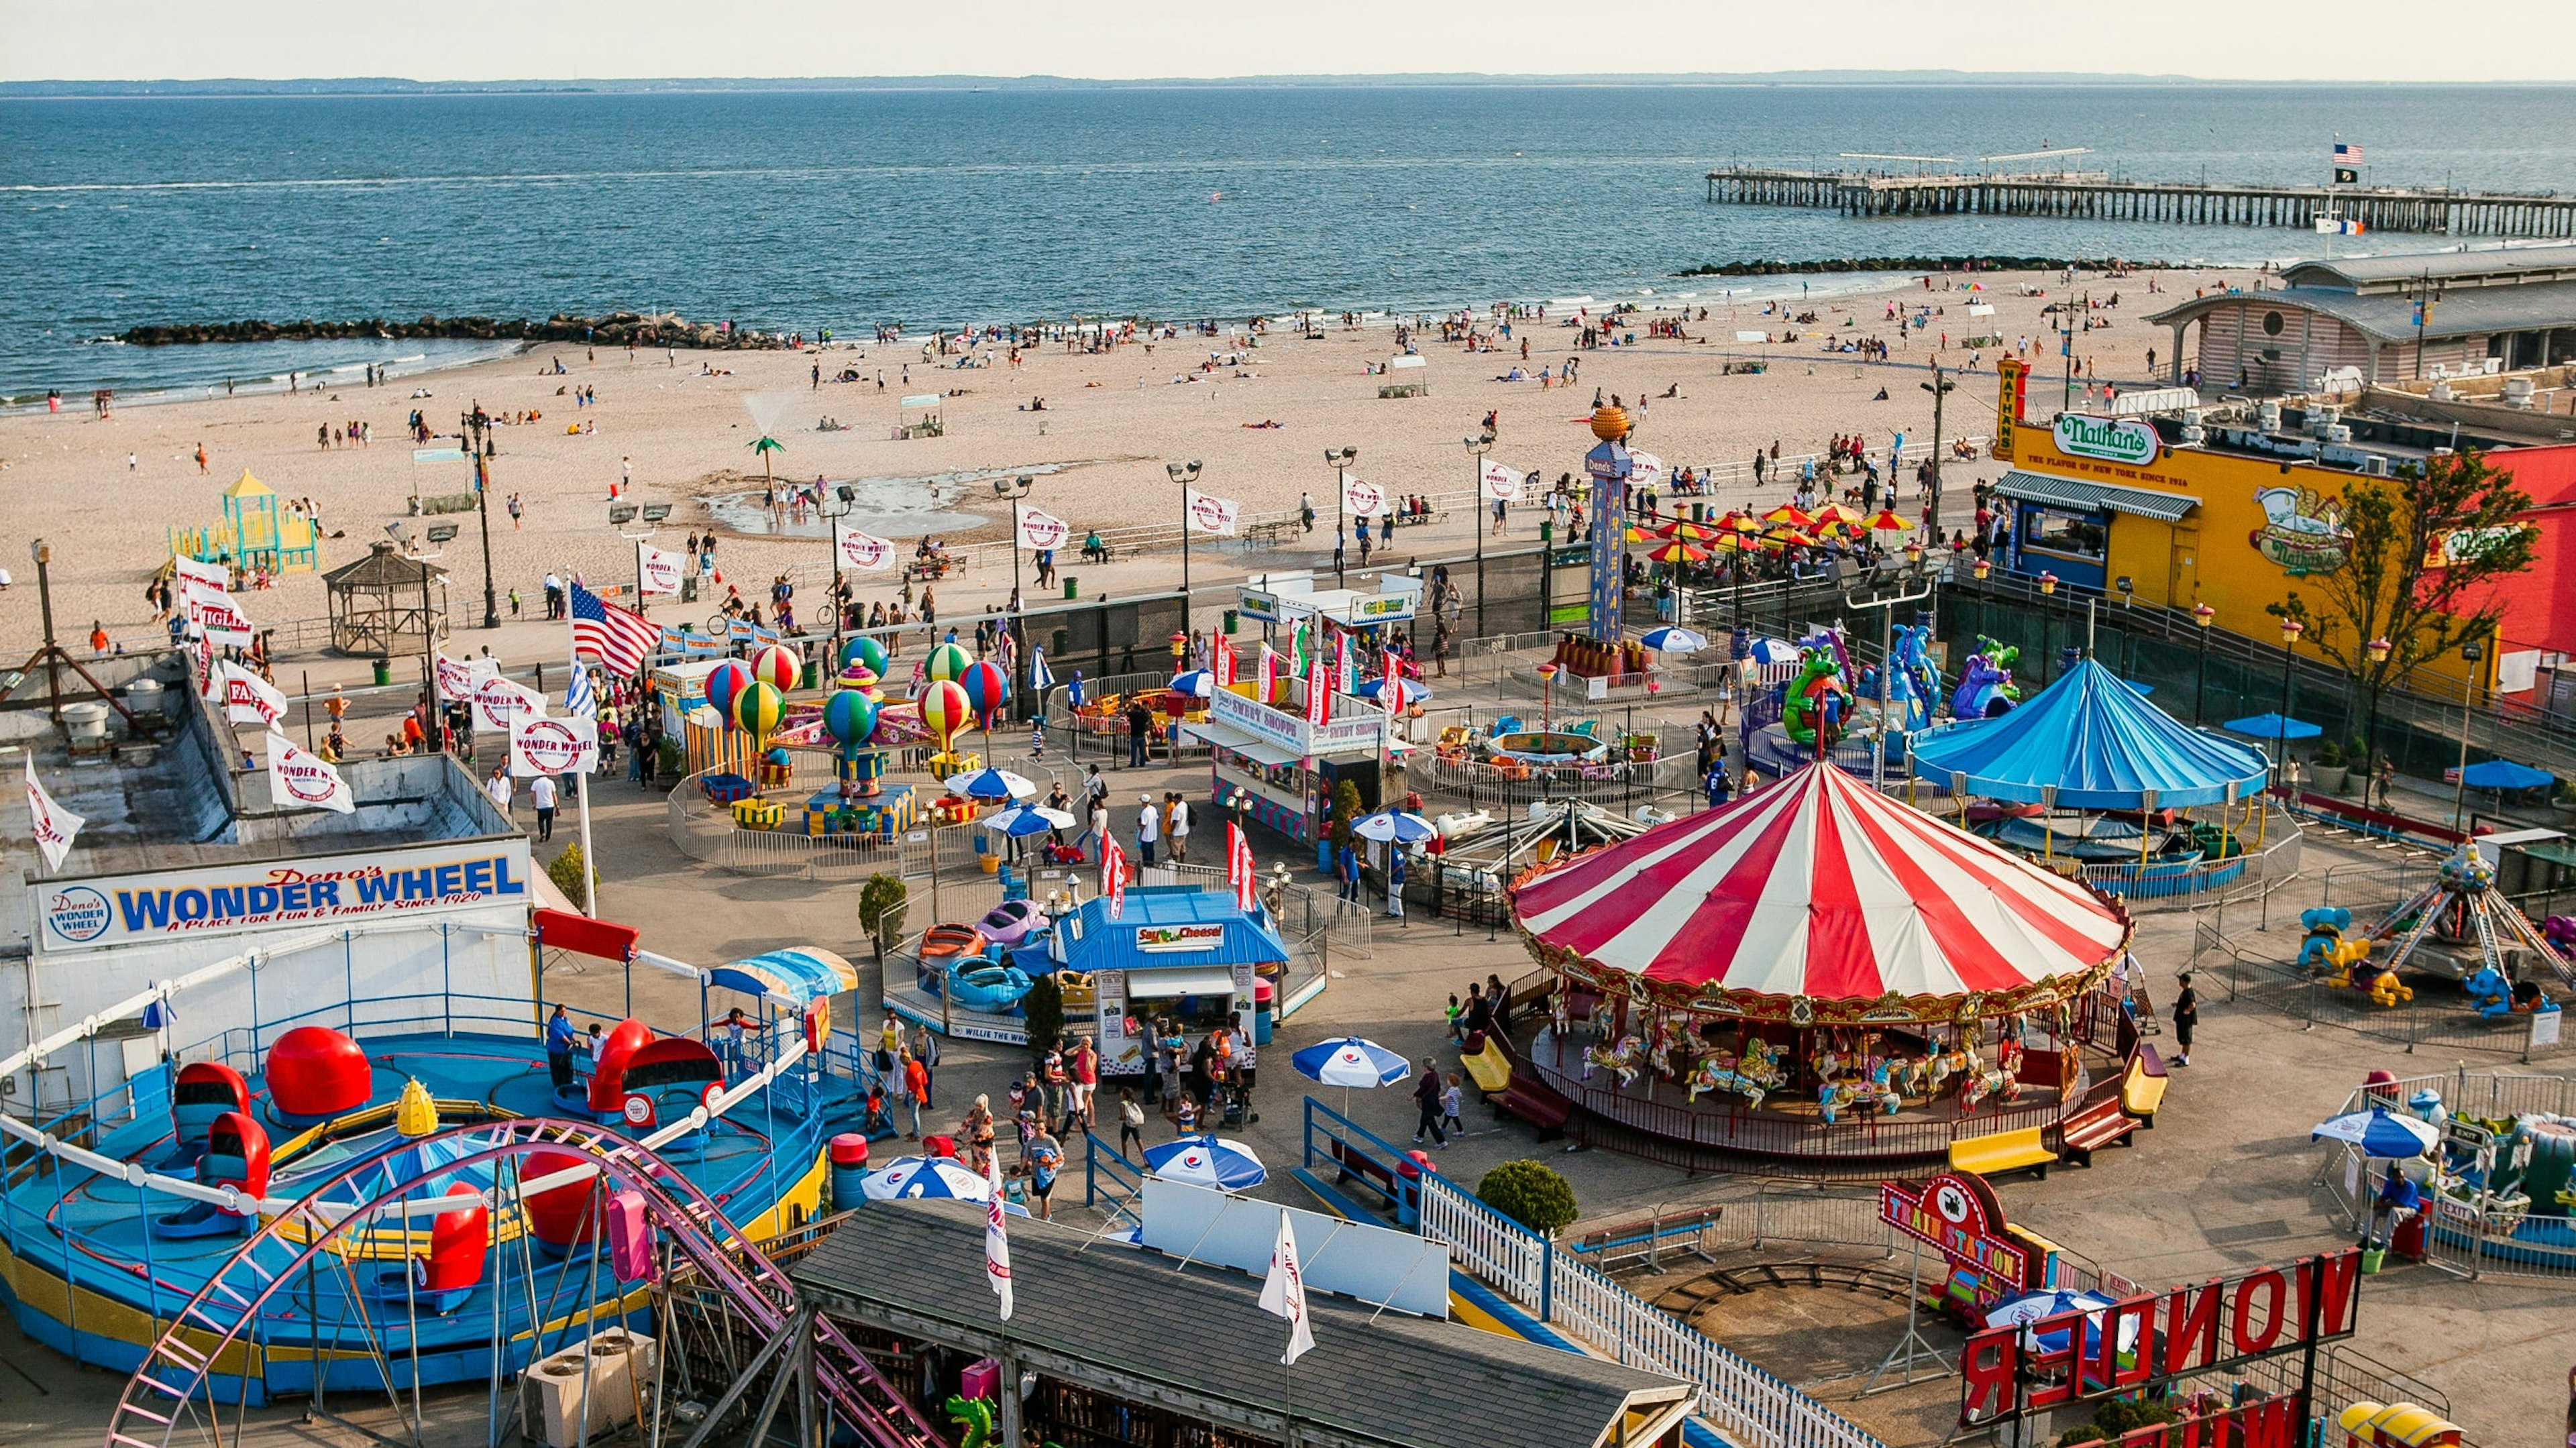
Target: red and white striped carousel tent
[1820, 899]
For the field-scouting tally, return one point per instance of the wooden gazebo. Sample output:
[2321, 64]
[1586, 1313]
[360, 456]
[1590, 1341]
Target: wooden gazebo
[386, 604]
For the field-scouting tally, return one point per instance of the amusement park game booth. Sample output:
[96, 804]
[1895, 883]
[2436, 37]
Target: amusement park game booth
[1286, 767]
[1174, 950]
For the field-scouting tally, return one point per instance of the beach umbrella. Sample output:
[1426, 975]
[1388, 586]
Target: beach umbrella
[723, 682]
[1776, 651]
[1040, 680]
[778, 667]
[1351, 1062]
[1886, 521]
[1414, 690]
[1837, 513]
[2379, 1133]
[850, 717]
[1205, 1161]
[944, 711]
[1673, 640]
[992, 786]
[864, 650]
[1790, 516]
[2505, 774]
[1023, 820]
[758, 709]
[2272, 726]
[949, 661]
[987, 690]
[1744, 523]
[907, 1177]
[1196, 684]
[1677, 553]
[1395, 826]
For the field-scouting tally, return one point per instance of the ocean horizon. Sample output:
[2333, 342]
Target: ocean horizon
[843, 209]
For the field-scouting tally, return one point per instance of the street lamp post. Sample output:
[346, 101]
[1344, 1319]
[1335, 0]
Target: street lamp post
[1013, 490]
[1940, 387]
[1340, 460]
[475, 430]
[2472, 652]
[2202, 616]
[2047, 588]
[1185, 475]
[2378, 650]
[846, 497]
[1477, 447]
[2291, 628]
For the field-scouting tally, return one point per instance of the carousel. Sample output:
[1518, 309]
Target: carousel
[1820, 970]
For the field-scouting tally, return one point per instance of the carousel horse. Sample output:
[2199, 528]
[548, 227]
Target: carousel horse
[1626, 1058]
[1660, 1055]
[1940, 1066]
[1753, 1075]
[1996, 1081]
[1911, 1075]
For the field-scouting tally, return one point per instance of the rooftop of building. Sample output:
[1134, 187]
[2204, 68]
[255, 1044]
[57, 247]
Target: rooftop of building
[2493, 266]
[2388, 316]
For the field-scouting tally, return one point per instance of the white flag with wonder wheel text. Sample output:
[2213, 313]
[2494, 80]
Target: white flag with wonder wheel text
[542, 745]
[1502, 484]
[863, 551]
[658, 570]
[56, 826]
[1040, 531]
[298, 779]
[997, 1243]
[1283, 1292]
[1209, 513]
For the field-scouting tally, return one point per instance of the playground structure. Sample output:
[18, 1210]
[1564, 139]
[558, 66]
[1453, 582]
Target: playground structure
[364, 1196]
[257, 534]
[1808, 700]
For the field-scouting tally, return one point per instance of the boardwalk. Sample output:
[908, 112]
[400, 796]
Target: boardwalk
[2095, 196]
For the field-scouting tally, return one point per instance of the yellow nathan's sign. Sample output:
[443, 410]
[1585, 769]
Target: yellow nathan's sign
[2008, 383]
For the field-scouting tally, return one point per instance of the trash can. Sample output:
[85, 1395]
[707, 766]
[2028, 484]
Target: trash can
[2407, 1240]
[688, 588]
[1264, 999]
[849, 1170]
[1072, 588]
[1233, 624]
[384, 672]
[810, 678]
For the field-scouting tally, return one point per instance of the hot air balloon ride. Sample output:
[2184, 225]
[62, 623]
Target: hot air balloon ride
[777, 666]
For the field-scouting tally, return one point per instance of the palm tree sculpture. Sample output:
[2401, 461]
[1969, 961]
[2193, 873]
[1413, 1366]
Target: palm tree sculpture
[763, 449]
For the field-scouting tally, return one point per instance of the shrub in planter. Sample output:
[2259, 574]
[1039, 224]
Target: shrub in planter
[1531, 1193]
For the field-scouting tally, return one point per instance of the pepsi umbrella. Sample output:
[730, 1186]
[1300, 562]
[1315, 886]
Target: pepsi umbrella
[1040, 677]
[1349, 1062]
[990, 786]
[1197, 683]
[1396, 827]
[1414, 691]
[2379, 1133]
[1204, 1161]
[2032, 1307]
[1673, 640]
[925, 1176]
[2505, 774]
[1023, 820]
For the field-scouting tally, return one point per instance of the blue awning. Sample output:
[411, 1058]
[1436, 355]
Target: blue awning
[2272, 726]
[2089, 741]
[797, 976]
[2505, 774]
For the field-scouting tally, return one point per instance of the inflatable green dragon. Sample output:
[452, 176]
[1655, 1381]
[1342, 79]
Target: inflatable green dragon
[974, 1420]
[1815, 699]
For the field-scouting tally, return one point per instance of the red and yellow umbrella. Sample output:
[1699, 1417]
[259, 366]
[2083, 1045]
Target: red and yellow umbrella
[1888, 522]
[1837, 513]
[1678, 552]
[1790, 516]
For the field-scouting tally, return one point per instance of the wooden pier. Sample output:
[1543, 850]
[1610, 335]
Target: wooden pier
[2095, 196]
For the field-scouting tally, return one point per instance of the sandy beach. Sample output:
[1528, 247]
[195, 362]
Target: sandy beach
[105, 493]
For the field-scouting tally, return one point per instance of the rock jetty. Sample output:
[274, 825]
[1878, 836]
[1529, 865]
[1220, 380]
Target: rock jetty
[615, 329]
[1908, 264]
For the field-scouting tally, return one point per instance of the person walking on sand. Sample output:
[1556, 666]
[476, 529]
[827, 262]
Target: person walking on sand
[201, 459]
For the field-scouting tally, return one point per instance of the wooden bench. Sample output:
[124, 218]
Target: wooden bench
[1537, 1104]
[1489, 1068]
[2001, 1152]
[2100, 1123]
[1646, 1239]
[2142, 1085]
[1349, 1162]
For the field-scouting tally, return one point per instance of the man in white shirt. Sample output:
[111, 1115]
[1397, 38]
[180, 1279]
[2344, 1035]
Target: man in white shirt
[541, 793]
[1149, 829]
[1180, 830]
[499, 788]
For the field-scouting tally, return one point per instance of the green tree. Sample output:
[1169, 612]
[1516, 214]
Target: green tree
[565, 870]
[1043, 1009]
[881, 910]
[1531, 1193]
[2422, 553]
[1346, 811]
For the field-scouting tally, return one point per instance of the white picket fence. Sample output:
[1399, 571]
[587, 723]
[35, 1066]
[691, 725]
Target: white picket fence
[1742, 1402]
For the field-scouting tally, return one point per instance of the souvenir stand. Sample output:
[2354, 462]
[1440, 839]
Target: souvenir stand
[1173, 951]
[1819, 970]
[1283, 768]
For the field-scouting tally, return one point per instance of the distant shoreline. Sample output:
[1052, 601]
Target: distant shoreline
[398, 86]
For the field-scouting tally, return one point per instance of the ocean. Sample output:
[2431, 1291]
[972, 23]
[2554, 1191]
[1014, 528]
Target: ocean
[936, 208]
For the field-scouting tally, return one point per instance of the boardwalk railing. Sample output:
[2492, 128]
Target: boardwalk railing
[1743, 1402]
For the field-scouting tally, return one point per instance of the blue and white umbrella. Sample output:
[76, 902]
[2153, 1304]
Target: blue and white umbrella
[1204, 1161]
[1775, 651]
[990, 785]
[1023, 820]
[1415, 691]
[1197, 684]
[2050, 1302]
[1040, 678]
[925, 1176]
[1395, 826]
[1672, 639]
[2379, 1133]
[1351, 1061]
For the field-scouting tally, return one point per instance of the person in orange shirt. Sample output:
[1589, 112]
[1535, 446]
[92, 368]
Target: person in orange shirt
[916, 1092]
[98, 638]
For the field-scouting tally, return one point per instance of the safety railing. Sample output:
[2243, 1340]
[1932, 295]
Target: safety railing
[1111, 1184]
[2469, 1233]
[1743, 1402]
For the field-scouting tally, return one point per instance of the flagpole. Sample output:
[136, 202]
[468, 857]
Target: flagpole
[581, 778]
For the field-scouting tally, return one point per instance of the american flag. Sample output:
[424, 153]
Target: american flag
[2347, 155]
[1113, 876]
[1239, 869]
[619, 637]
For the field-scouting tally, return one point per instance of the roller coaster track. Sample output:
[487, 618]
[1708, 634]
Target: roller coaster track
[172, 1398]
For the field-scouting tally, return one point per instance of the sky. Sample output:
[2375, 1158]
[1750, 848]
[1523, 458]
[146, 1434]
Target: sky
[2362, 40]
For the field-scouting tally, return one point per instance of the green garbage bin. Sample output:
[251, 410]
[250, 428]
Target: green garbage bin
[811, 677]
[1233, 625]
[1071, 588]
[384, 672]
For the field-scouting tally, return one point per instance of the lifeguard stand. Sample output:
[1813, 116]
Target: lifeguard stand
[255, 533]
